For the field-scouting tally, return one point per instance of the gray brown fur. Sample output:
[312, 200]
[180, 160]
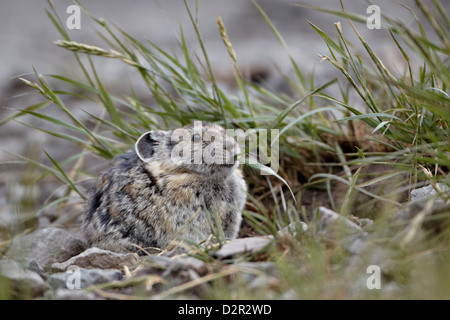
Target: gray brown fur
[148, 195]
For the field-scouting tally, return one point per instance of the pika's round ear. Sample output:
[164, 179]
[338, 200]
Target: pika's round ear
[147, 144]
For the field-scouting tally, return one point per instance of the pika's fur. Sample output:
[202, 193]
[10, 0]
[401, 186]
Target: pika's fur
[167, 187]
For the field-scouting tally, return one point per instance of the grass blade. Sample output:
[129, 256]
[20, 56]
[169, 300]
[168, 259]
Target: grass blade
[277, 121]
[66, 178]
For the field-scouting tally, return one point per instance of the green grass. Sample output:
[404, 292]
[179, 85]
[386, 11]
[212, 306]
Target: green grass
[404, 129]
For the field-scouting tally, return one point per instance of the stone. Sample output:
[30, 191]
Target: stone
[67, 294]
[94, 258]
[20, 280]
[243, 246]
[330, 222]
[262, 282]
[158, 261]
[186, 262]
[264, 266]
[419, 219]
[356, 243]
[334, 228]
[33, 265]
[184, 269]
[428, 192]
[257, 275]
[290, 294]
[86, 278]
[46, 246]
[424, 206]
[153, 265]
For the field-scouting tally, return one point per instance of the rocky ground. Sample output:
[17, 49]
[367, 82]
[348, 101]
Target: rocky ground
[54, 263]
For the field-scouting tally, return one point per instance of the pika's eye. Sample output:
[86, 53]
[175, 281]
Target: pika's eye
[196, 138]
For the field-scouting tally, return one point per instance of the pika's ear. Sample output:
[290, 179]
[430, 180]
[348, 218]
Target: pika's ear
[147, 144]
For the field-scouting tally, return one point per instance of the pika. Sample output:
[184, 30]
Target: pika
[173, 184]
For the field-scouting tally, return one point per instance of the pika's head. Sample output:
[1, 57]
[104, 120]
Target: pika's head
[199, 147]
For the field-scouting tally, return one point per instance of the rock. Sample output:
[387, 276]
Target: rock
[425, 206]
[46, 246]
[184, 269]
[262, 282]
[186, 262]
[67, 294]
[376, 256]
[356, 243]
[290, 294]
[22, 282]
[332, 224]
[153, 264]
[33, 265]
[242, 246]
[333, 227]
[159, 261]
[258, 275]
[424, 214]
[94, 258]
[80, 278]
[420, 219]
[428, 192]
[265, 266]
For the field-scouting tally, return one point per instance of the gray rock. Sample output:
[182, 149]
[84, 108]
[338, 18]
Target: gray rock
[425, 206]
[427, 192]
[265, 266]
[94, 258]
[184, 269]
[419, 219]
[154, 264]
[80, 278]
[257, 275]
[331, 222]
[290, 294]
[186, 262]
[33, 265]
[67, 294]
[242, 246]
[20, 280]
[262, 282]
[158, 261]
[334, 228]
[46, 246]
[356, 243]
